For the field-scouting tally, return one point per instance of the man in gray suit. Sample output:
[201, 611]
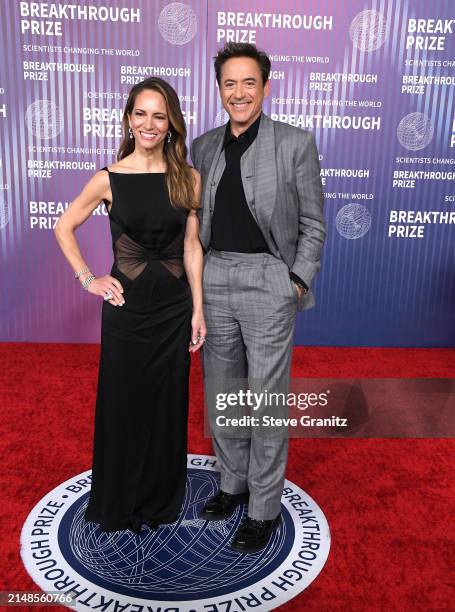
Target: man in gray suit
[262, 228]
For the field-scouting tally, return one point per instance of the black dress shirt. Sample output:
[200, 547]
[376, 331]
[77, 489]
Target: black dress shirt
[233, 226]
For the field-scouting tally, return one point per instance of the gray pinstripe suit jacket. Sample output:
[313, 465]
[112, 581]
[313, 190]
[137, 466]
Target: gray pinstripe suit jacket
[283, 189]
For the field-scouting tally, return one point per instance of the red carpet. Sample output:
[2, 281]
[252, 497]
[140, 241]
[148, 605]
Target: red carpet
[389, 503]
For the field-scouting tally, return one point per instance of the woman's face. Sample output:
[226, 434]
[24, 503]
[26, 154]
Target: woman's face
[149, 119]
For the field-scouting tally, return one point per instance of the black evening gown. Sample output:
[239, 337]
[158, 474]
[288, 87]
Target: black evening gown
[139, 454]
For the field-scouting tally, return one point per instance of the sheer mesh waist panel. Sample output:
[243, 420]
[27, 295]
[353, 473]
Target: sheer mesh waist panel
[132, 258]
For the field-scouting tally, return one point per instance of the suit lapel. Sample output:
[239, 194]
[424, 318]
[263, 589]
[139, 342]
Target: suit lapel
[215, 172]
[265, 175]
[248, 170]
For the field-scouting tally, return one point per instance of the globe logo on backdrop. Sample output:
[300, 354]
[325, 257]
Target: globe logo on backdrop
[415, 131]
[187, 565]
[177, 23]
[368, 30]
[4, 214]
[44, 119]
[221, 118]
[353, 221]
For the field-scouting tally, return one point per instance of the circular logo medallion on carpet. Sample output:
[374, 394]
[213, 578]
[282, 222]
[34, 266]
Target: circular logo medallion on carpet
[182, 567]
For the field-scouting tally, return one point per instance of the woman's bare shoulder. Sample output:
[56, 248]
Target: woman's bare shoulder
[123, 165]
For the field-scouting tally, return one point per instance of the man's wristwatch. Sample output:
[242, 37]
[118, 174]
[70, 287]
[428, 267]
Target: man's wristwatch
[298, 281]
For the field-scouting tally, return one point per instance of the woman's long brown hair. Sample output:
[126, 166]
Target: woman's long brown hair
[179, 178]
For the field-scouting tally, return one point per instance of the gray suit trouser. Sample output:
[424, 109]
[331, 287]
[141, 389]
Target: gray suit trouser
[250, 306]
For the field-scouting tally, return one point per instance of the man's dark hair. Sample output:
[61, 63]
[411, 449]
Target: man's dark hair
[232, 49]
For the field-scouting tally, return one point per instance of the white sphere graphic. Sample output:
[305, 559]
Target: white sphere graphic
[415, 131]
[221, 118]
[177, 23]
[353, 221]
[4, 214]
[44, 119]
[368, 30]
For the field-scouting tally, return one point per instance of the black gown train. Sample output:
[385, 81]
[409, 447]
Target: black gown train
[139, 454]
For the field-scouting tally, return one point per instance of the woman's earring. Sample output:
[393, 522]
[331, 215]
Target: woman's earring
[130, 132]
[169, 136]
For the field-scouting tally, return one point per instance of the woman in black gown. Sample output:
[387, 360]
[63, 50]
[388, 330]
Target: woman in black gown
[152, 314]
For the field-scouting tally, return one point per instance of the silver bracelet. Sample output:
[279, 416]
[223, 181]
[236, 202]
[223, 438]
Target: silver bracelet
[81, 272]
[87, 281]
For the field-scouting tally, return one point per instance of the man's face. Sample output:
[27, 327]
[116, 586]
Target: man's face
[242, 91]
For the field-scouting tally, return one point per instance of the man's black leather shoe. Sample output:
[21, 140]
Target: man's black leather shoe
[254, 535]
[222, 505]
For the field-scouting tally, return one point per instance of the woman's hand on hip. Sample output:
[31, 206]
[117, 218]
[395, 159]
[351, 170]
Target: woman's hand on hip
[105, 286]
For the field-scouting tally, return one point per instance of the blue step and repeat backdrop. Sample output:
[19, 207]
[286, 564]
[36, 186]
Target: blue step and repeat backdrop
[374, 81]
